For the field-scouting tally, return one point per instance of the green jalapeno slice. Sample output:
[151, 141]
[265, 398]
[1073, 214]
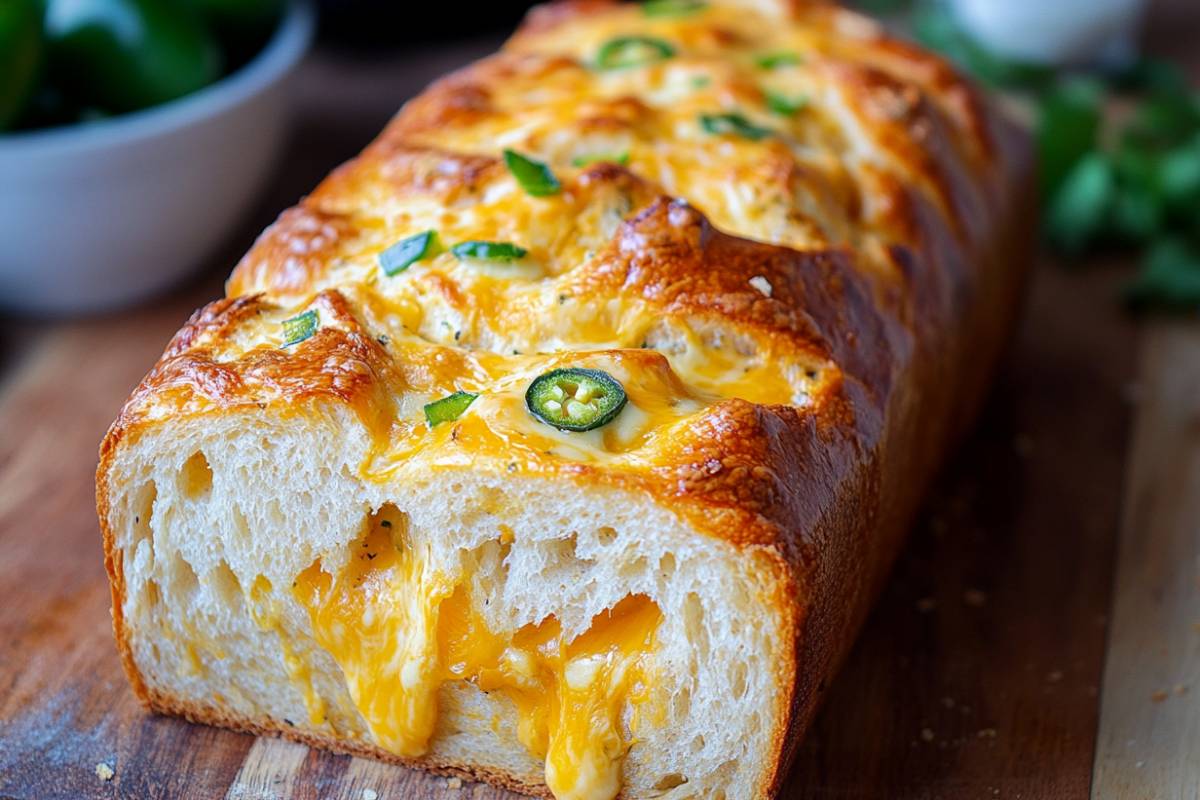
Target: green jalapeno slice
[449, 408]
[575, 399]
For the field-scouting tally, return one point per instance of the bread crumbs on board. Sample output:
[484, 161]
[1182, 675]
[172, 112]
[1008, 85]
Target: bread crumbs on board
[104, 772]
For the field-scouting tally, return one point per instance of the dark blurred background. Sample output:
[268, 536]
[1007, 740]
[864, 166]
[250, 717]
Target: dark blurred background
[382, 24]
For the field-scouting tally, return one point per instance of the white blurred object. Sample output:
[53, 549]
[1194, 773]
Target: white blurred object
[1054, 31]
[94, 217]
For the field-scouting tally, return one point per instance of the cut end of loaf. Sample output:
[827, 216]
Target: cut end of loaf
[802, 308]
[263, 583]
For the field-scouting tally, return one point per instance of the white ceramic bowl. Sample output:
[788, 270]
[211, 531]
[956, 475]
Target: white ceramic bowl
[1055, 31]
[94, 217]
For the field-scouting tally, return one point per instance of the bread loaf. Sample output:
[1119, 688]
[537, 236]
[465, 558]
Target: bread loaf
[351, 505]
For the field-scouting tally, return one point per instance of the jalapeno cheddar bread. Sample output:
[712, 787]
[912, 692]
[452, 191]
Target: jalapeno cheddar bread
[563, 438]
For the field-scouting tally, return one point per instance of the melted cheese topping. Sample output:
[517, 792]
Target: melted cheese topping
[497, 425]
[799, 188]
[399, 631]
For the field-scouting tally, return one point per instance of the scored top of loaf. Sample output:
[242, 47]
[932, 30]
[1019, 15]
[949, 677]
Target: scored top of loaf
[760, 284]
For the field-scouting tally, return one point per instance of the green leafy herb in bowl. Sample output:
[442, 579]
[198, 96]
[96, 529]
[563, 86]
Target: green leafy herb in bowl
[138, 196]
[65, 61]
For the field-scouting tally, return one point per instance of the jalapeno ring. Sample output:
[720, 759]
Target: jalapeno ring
[575, 399]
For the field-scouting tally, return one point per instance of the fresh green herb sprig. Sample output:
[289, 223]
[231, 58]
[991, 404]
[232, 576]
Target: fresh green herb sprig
[1135, 183]
[1070, 116]
[1131, 180]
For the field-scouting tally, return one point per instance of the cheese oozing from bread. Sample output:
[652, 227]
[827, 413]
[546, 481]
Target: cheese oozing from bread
[398, 633]
[789, 238]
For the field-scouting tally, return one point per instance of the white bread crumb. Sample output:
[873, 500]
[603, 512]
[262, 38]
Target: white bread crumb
[104, 772]
[596, 549]
[762, 284]
[370, 794]
[454, 783]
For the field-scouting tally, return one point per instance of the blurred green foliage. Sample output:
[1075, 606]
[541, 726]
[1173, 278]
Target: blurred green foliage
[1133, 181]
[1128, 180]
[69, 61]
[122, 55]
[22, 49]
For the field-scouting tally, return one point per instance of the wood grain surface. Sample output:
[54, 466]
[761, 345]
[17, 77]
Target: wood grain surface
[1149, 742]
[979, 672]
[978, 676]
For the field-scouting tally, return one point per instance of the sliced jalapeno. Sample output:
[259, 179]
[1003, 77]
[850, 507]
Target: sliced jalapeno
[534, 176]
[632, 51]
[672, 8]
[783, 58]
[406, 252]
[783, 105]
[733, 124]
[489, 251]
[620, 159]
[299, 327]
[575, 399]
[449, 408]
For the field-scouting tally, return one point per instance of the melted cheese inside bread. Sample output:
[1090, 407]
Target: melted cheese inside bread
[729, 278]
[399, 632]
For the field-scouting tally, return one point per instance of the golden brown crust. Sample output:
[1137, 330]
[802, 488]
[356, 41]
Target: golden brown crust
[225, 718]
[867, 284]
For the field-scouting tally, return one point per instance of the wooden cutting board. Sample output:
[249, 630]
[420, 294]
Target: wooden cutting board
[1039, 639]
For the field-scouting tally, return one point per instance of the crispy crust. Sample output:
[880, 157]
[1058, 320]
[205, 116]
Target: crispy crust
[223, 718]
[901, 319]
